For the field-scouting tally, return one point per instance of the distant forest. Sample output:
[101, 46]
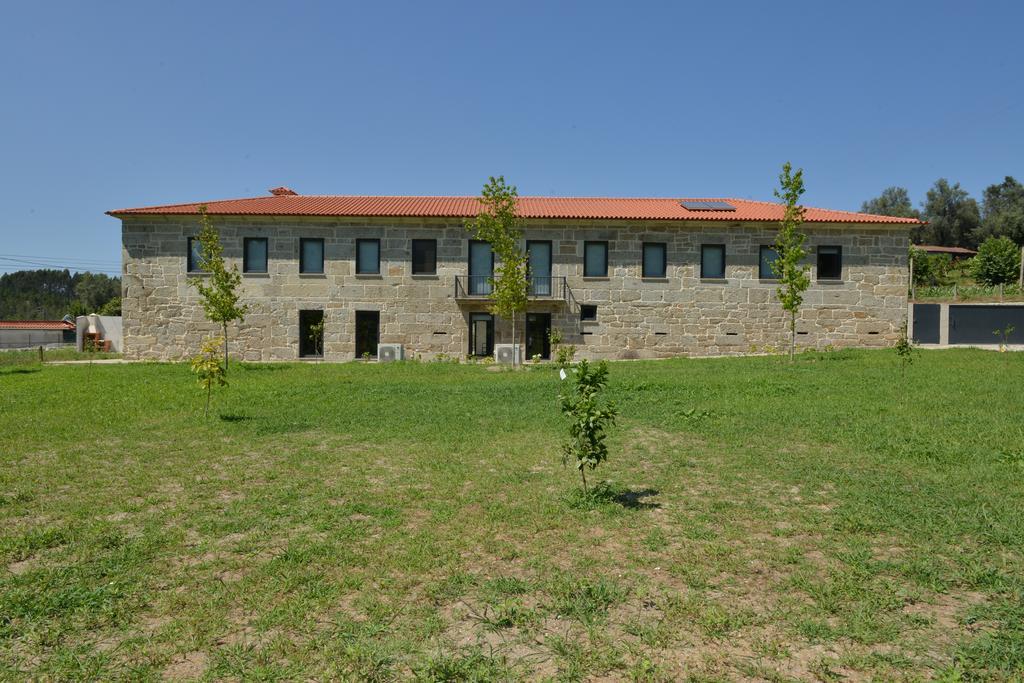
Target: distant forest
[52, 294]
[955, 219]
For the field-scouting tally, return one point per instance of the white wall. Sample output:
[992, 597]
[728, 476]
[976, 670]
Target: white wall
[109, 327]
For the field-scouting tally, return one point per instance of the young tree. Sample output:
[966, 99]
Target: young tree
[789, 246]
[316, 337]
[209, 370]
[219, 290]
[498, 225]
[589, 417]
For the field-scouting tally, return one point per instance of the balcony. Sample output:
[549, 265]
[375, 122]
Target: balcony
[479, 287]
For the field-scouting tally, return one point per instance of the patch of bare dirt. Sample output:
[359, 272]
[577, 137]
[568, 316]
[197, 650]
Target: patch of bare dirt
[189, 666]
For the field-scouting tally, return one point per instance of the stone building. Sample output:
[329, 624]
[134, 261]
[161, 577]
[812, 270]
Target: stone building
[619, 278]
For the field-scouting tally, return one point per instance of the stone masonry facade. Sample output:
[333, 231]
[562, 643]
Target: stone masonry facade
[680, 314]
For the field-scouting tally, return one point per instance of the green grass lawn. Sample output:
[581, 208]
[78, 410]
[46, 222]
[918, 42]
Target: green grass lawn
[364, 521]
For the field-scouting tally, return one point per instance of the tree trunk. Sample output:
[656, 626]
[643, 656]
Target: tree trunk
[206, 411]
[515, 353]
[792, 336]
[225, 347]
[583, 473]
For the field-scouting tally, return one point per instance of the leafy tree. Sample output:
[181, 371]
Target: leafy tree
[590, 417]
[498, 224]
[219, 289]
[789, 245]
[209, 370]
[997, 262]
[96, 289]
[894, 201]
[1002, 212]
[112, 307]
[930, 269]
[952, 216]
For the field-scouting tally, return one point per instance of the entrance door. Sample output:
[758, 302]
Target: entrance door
[540, 268]
[367, 333]
[311, 334]
[481, 267]
[538, 335]
[481, 334]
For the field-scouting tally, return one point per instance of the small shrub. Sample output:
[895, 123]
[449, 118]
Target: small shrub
[904, 348]
[209, 368]
[589, 417]
[997, 262]
[565, 355]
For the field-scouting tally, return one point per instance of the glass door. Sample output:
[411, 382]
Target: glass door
[538, 335]
[481, 267]
[481, 334]
[367, 333]
[539, 254]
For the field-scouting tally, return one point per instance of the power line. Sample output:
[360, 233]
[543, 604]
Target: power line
[59, 266]
[76, 259]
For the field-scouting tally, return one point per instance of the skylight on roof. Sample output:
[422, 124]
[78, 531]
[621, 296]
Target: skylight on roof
[707, 206]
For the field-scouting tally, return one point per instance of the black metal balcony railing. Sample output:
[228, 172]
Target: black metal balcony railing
[480, 287]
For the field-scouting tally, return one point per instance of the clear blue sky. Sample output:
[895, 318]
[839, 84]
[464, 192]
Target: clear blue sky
[107, 105]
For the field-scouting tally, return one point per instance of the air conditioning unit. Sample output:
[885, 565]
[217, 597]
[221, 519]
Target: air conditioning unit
[390, 352]
[506, 353]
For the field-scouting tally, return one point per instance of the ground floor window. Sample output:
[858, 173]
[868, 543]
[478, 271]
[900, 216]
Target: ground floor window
[768, 256]
[311, 334]
[481, 334]
[830, 263]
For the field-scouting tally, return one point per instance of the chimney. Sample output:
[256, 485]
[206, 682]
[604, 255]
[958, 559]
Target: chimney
[283, 191]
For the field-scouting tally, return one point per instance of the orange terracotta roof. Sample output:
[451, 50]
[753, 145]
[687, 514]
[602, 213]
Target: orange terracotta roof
[592, 208]
[35, 325]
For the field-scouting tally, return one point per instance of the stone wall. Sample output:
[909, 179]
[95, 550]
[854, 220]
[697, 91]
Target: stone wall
[637, 317]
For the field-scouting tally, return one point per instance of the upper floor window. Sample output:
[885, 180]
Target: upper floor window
[768, 257]
[195, 255]
[368, 257]
[712, 261]
[830, 263]
[655, 259]
[595, 259]
[254, 256]
[424, 257]
[311, 255]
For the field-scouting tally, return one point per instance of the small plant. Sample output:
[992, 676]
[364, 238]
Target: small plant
[565, 355]
[536, 358]
[316, 337]
[366, 355]
[590, 417]
[904, 350]
[1004, 337]
[209, 368]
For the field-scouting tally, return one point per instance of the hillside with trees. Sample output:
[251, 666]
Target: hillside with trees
[52, 294]
[955, 219]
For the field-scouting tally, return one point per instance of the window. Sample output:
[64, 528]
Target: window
[830, 263]
[195, 255]
[768, 257]
[595, 259]
[254, 258]
[367, 257]
[654, 264]
[588, 312]
[712, 261]
[424, 257]
[311, 255]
